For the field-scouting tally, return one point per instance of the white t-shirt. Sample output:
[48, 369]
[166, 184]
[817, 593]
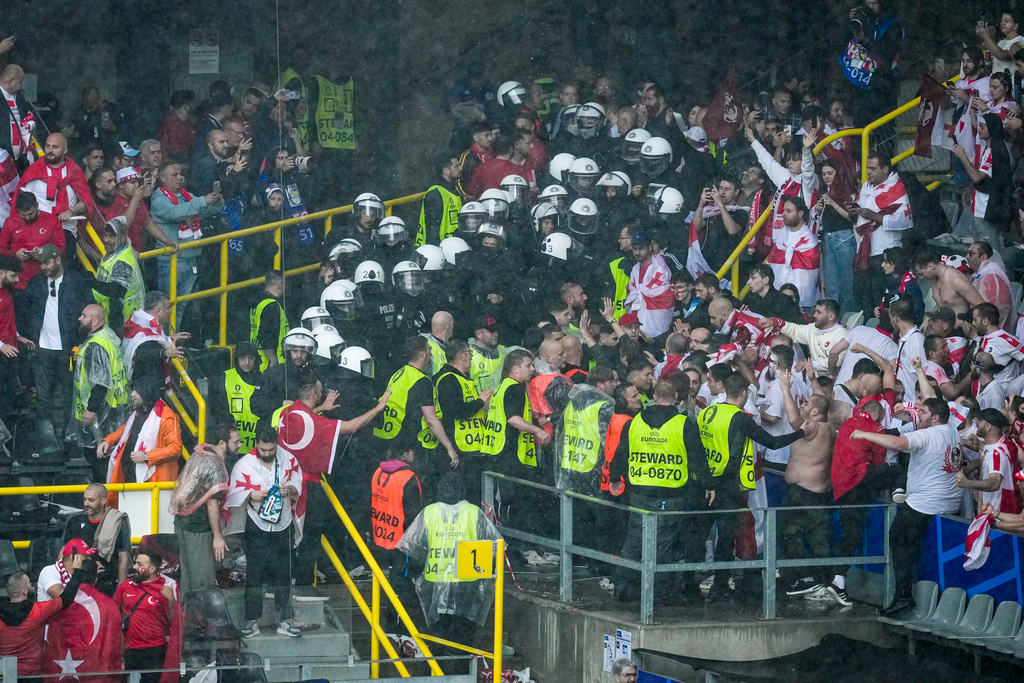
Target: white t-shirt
[772, 398]
[992, 396]
[935, 458]
[911, 346]
[48, 576]
[996, 458]
[879, 342]
[1005, 44]
[49, 334]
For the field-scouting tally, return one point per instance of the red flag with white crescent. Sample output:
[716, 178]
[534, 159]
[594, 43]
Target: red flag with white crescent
[725, 111]
[85, 637]
[311, 438]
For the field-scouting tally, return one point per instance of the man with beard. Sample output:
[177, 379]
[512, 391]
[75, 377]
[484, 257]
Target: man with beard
[148, 446]
[108, 531]
[718, 224]
[231, 399]
[59, 186]
[279, 384]
[100, 387]
[123, 194]
[795, 257]
[24, 231]
[148, 598]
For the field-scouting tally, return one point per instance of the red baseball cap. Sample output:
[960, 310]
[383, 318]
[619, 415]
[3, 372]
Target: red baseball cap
[629, 319]
[79, 545]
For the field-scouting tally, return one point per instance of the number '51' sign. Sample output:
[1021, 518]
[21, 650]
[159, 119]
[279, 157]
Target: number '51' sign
[474, 560]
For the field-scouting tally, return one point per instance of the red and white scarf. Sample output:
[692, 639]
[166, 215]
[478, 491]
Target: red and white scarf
[140, 328]
[8, 183]
[189, 228]
[65, 575]
[21, 131]
[977, 544]
[146, 442]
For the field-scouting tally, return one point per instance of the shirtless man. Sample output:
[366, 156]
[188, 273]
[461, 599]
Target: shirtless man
[950, 287]
[808, 474]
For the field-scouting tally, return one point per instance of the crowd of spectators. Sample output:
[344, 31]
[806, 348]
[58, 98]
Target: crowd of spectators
[551, 310]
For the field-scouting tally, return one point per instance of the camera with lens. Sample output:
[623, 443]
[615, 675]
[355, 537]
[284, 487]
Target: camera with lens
[305, 164]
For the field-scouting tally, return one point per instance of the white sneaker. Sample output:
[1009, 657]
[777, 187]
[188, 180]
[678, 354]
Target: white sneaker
[286, 629]
[251, 629]
[899, 496]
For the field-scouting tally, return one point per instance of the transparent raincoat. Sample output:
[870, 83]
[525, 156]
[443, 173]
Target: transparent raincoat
[579, 439]
[203, 476]
[98, 364]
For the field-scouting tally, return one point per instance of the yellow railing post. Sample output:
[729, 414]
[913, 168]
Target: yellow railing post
[277, 241]
[328, 225]
[743, 243]
[499, 605]
[154, 511]
[198, 397]
[173, 289]
[223, 337]
[736, 275]
[375, 616]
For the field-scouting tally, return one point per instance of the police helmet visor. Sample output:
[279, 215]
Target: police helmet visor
[345, 263]
[366, 368]
[411, 282]
[582, 225]
[583, 182]
[312, 322]
[336, 351]
[392, 234]
[297, 343]
[421, 261]
[469, 222]
[342, 309]
[495, 208]
[518, 192]
[655, 165]
[560, 202]
[631, 151]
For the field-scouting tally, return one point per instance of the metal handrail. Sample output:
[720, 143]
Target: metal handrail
[648, 565]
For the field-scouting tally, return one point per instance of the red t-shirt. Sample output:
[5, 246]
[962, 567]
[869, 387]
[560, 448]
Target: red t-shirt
[489, 175]
[118, 208]
[850, 459]
[25, 641]
[8, 329]
[176, 135]
[150, 624]
[17, 234]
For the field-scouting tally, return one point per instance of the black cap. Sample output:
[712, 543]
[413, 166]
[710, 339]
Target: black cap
[994, 417]
[10, 263]
[486, 322]
[945, 313]
[246, 349]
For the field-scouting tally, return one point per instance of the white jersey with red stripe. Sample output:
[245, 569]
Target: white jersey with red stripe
[957, 349]
[1005, 350]
[890, 199]
[795, 259]
[1000, 457]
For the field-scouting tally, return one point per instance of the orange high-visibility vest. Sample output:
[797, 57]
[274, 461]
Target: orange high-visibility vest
[387, 508]
[611, 443]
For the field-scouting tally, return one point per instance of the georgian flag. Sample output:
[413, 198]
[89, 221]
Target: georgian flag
[83, 638]
[649, 295]
[250, 475]
[795, 259]
[8, 183]
[977, 545]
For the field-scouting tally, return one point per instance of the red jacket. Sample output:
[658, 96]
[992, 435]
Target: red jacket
[119, 207]
[489, 175]
[24, 639]
[17, 234]
[850, 459]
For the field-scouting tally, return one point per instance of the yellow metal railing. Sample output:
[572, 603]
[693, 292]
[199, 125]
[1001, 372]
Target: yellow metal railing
[224, 287]
[197, 426]
[154, 487]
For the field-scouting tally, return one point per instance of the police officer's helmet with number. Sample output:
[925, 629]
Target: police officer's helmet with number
[511, 93]
[516, 186]
[495, 203]
[590, 119]
[329, 345]
[299, 339]
[667, 201]
[408, 277]
[315, 315]
[583, 217]
[357, 359]
[655, 156]
[392, 231]
[339, 301]
[451, 247]
[583, 174]
[369, 274]
[471, 215]
[346, 255]
[632, 143]
[430, 259]
[368, 206]
[561, 246]
[559, 165]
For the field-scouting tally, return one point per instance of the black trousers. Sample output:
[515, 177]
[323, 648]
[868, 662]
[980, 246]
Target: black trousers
[142, 658]
[52, 373]
[906, 539]
[727, 498]
[321, 519]
[679, 536]
[878, 478]
[804, 532]
[267, 556]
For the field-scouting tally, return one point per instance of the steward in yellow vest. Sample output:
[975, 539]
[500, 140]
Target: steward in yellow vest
[268, 323]
[231, 400]
[100, 386]
[509, 433]
[581, 432]
[439, 212]
[463, 413]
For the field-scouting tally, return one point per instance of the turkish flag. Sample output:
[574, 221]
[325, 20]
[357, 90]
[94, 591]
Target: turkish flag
[931, 94]
[85, 637]
[311, 438]
[725, 113]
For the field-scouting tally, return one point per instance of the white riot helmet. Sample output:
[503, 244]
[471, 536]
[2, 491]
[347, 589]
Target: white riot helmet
[339, 301]
[667, 201]
[557, 196]
[583, 174]
[488, 230]
[392, 231]
[320, 329]
[471, 215]
[617, 179]
[368, 206]
[430, 259]
[451, 247]
[546, 212]
[495, 203]
[369, 271]
[511, 93]
[561, 246]
[583, 217]
[408, 277]
[329, 345]
[569, 120]
[516, 186]
[299, 338]
[590, 119]
[357, 359]
[346, 255]
[655, 156]
[315, 315]
[558, 166]
[632, 143]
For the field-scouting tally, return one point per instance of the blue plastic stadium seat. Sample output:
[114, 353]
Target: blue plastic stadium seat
[926, 595]
[947, 614]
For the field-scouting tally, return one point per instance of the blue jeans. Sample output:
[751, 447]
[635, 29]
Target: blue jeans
[837, 268]
[187, 274]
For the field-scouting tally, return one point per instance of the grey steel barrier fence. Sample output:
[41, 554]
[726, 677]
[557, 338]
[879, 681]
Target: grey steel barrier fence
[648, 566]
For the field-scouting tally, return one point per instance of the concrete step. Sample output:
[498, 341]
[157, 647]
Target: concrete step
[322, 654]
[307, 606]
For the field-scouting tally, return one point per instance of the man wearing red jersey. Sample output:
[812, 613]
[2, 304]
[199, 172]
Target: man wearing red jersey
[148, 599]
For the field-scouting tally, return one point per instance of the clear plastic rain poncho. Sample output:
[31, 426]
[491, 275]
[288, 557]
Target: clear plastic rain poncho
[95, 368]
[203, 477]
[431, 538]
[580, 457]
[121, 265]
